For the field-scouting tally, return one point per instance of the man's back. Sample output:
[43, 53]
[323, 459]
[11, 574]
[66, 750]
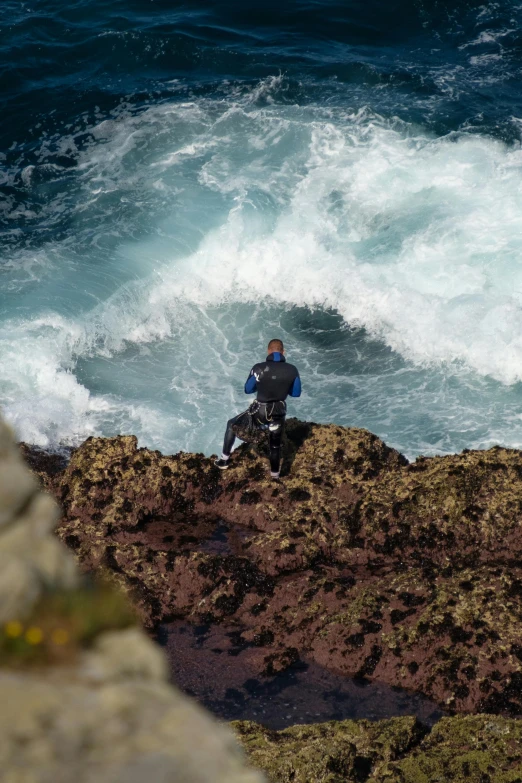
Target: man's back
[274, 379]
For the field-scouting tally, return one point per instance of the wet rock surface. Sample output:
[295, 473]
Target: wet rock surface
[366, 565]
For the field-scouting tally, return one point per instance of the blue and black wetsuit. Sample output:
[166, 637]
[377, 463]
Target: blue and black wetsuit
[273, 380]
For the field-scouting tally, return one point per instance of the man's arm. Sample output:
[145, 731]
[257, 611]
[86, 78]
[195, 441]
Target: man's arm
[295, 388]
[251, 382]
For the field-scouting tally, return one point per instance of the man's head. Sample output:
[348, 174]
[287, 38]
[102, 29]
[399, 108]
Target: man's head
[276, 346]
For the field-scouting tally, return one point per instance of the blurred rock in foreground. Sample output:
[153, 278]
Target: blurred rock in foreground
[83, 692]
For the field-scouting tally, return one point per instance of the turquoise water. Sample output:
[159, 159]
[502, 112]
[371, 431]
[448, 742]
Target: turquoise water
[182, 183]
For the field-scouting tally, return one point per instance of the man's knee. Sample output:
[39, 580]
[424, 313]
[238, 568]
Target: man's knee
[275, 431]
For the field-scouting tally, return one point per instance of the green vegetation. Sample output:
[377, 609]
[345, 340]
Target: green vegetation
[471, 749]
[62, 623]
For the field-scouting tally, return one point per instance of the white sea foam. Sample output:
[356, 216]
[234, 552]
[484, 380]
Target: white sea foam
[489, 37]
[416, 239]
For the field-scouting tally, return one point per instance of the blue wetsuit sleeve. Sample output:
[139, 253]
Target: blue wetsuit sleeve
[295, 389]
[251, 383]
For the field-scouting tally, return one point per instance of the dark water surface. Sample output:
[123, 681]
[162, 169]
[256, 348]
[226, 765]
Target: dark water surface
[207, 664]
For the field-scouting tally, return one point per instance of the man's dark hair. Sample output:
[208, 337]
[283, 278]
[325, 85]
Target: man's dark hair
[275, 346]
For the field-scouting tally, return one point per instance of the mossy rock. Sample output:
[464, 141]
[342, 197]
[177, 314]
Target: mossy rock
[473, 749]
[414, 569]
[333, 752]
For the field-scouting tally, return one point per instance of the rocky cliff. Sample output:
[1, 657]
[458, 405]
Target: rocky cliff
[376, 568]
[356, 559]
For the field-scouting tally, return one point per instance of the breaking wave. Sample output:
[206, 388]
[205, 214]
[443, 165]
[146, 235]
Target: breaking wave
[170, 239]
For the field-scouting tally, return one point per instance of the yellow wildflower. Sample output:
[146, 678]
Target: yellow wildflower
[60, 636]
[13, 629]
[34, 635]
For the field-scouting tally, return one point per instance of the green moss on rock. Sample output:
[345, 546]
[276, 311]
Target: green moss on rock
[333, 752]
[473, 749]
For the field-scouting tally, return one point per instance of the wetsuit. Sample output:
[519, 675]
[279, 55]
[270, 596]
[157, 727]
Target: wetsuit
[273, 380]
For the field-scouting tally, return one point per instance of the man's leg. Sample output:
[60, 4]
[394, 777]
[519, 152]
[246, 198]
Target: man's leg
[228, 443]
[275, 437]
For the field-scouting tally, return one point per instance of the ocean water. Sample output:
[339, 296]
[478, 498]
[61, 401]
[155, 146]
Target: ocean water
[182, 182]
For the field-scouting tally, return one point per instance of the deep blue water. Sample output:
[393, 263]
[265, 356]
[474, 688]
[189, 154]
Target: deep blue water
[180, 183]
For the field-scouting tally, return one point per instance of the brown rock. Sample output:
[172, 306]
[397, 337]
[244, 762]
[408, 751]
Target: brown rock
[365, 563]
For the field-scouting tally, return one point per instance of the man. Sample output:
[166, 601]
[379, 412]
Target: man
[273, 379]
